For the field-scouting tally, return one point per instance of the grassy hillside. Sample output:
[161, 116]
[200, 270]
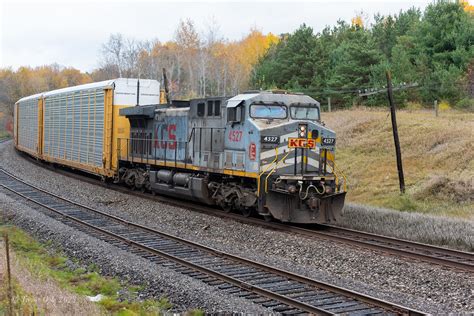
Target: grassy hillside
[437, 152]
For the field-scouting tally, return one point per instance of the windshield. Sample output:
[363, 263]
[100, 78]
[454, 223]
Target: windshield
[267, 111]
[304, 113]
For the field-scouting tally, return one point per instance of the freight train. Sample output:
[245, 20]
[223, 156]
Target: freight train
[265, 152]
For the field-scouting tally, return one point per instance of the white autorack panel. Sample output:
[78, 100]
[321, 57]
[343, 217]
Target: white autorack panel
[28, 124]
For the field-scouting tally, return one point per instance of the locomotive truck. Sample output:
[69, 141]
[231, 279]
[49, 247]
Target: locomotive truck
[262, 151]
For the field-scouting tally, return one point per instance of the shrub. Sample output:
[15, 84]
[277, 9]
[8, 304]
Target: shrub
[413, 106]
[444, 105]
[466, 104]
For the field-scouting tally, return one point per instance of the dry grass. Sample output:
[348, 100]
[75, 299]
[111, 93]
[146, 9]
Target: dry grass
[47, 285]
[436, 230]
[42, 295]
[438, 159]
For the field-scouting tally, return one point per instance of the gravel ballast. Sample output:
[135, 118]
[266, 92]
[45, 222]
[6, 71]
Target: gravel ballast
[184, 292]
[418, 285]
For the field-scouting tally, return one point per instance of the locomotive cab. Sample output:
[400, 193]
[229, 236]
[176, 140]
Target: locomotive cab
[293, 154]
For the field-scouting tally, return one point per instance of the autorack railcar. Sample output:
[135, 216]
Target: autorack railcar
[79, 126]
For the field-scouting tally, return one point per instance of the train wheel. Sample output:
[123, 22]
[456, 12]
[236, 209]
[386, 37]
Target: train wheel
[268, 218]
[227, 207]
[246, 211]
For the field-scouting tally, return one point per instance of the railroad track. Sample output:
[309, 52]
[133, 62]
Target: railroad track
[418, 251]
[271, 287]
[455, 259]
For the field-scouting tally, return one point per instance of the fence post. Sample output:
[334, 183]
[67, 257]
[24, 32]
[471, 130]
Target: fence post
[436, 107]
[329, 104]
[9, 278]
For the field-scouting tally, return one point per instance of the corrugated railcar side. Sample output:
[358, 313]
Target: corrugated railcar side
[74, 129]
[79, 126]
[26, 125]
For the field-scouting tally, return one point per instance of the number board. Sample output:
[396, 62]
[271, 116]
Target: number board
[328, 141]
[270, 139]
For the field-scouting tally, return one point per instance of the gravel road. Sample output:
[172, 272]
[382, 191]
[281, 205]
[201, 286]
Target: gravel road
[419, 285]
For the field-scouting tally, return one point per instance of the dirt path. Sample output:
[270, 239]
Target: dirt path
[45, 293]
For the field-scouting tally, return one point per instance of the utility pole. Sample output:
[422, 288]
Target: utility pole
[401, 178]
[329, 104]
[436, 107]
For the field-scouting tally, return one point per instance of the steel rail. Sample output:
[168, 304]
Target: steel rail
[343, 297]
[438, 255]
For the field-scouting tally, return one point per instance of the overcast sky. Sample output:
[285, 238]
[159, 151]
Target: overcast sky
[71, 33]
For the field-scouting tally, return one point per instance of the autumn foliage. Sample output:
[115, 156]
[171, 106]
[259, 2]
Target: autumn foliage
[27, 81]
[196, 63]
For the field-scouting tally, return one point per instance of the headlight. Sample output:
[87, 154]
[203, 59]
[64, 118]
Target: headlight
[302, 131]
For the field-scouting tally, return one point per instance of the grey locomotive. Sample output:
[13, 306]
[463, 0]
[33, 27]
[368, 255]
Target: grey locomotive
[264, 152]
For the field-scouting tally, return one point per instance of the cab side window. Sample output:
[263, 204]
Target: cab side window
[231, 115]
[235, 114]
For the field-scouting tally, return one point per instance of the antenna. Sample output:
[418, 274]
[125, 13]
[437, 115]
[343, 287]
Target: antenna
[165, 81]
[138, 91]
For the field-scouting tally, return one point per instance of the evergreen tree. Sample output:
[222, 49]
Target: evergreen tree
[433, 49]
[288, 64]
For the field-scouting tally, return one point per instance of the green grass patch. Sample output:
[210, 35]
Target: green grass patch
[46, 264]
[403, 202]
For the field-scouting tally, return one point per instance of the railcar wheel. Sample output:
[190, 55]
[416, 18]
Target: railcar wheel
[268, 218]
[246, 211]
[227, 207]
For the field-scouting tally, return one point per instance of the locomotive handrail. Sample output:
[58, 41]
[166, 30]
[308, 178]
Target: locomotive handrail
[337, 172]
[342, 174]
[273, 170]
[266, 169]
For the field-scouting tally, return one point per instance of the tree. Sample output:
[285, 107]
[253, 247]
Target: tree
[288, 64]
[112, 52]
[445, 48]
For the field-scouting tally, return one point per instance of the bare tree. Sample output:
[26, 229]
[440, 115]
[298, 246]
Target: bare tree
[112, 52]
[130, 55]
[187, 38]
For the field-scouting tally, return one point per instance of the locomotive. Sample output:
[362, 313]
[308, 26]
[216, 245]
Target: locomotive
[262, 151]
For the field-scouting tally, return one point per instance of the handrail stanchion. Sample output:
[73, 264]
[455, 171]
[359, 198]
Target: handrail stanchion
[273, 170]
[268, 167]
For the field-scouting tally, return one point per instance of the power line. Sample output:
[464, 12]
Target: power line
[367, 91]
[384, 89]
